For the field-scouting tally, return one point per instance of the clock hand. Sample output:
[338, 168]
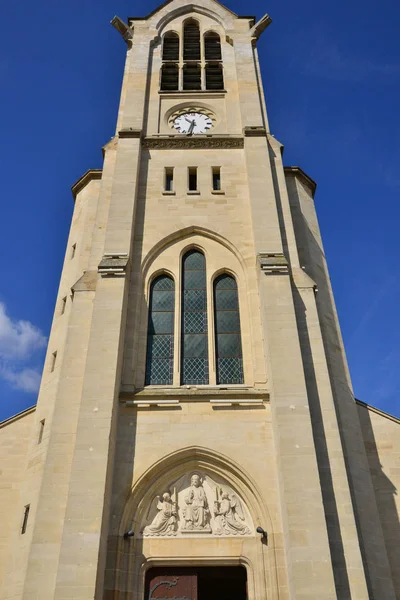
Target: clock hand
[188, 120]
[192, 126]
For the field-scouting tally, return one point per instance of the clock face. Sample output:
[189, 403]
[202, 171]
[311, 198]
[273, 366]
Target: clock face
[193, 122]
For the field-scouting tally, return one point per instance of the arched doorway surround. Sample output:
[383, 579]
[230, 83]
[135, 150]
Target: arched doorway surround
[137, 554]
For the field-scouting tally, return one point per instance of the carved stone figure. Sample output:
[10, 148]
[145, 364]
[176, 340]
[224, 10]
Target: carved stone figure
[196, 513]
[165, 521]
[229, 516]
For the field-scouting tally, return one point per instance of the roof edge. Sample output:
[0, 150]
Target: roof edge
[85, 179]
[303, 175]
[378, 411]
[18, 416]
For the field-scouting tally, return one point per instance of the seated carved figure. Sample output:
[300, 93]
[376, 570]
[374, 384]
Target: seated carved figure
[196, 513]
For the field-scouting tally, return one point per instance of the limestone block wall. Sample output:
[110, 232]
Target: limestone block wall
[15, 435]
[381, 434]
[351, 443]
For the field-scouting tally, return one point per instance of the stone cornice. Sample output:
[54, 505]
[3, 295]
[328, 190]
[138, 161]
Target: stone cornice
[200, 141]
[85, 179]
[378, 412]
[273, 263]
[18, 416]
[255, 131]
[193, 394]
[114, 265]
[297, 171]
[129, 132]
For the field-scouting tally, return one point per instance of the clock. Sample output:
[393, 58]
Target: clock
[192, 123]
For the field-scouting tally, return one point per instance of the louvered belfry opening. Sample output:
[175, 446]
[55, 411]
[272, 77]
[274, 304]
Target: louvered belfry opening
[192, 76]
[212, 46]
[196, 57]
[171, 46]
[170, 77]
[191, 40]
[214, 76]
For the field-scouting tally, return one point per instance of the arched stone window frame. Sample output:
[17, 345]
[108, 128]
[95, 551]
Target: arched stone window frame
[220, 258]
[204, 29]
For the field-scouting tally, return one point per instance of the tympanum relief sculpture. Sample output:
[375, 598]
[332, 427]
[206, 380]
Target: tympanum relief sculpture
[198, 504]
[165, 521]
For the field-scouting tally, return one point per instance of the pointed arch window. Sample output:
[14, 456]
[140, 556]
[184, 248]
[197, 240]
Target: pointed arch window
[212, 46]
[191, 40]
[194, 344]
[160, 333]
[228, 342]
[171, 46]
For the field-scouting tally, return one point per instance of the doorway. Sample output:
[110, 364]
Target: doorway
[196, 583]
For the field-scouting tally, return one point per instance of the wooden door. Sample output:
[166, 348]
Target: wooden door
[169, 583]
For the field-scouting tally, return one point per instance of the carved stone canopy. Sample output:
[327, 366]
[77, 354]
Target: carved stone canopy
[197, 504]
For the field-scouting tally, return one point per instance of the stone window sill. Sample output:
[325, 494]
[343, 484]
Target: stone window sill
[218, 192]
[168, 192]
[193, 193]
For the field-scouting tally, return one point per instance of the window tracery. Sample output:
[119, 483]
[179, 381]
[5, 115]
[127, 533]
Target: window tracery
[196, 64]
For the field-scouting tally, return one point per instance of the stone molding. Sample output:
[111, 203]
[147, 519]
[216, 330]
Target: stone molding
[184, 142]
[85, 179]
[129, 132]
[273, 263]
[255, 132]
[113, 265]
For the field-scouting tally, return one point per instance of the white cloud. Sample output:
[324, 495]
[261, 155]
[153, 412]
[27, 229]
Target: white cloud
[20, 342]
[18, 339]
[27, 380]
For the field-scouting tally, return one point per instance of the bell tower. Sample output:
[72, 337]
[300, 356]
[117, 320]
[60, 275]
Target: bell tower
[201, 430]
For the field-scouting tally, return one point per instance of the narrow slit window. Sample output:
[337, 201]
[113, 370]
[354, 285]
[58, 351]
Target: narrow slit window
[160, 333]
[53, 361]
[194, 320]
[63, 304]
[73, 250]
[41, 430]
[214, 76]
[192, 179]
[169, 179]
[169, 77]
[227, 331]
[192, 76]
[212, 46]
[171, 46]
[191, 40]
[25, 519]
[216, 179]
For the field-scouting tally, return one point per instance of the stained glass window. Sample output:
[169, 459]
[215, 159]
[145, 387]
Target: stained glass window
[194, 320]
[160, 333]
[227, 331]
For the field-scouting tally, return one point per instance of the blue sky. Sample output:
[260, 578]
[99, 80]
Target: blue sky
[331, 73]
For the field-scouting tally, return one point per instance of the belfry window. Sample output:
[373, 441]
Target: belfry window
[192, 76]
[212, 46]
[160, 333]
[191, 40]
[171, 47]
[227, 331]
[214, 76]
[170, 77]
[195, 64]
[194, 350]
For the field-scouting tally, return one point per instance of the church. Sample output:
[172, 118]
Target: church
[196, 435]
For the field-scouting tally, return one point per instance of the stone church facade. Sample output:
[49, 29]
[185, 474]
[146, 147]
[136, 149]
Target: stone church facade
[196, 434]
